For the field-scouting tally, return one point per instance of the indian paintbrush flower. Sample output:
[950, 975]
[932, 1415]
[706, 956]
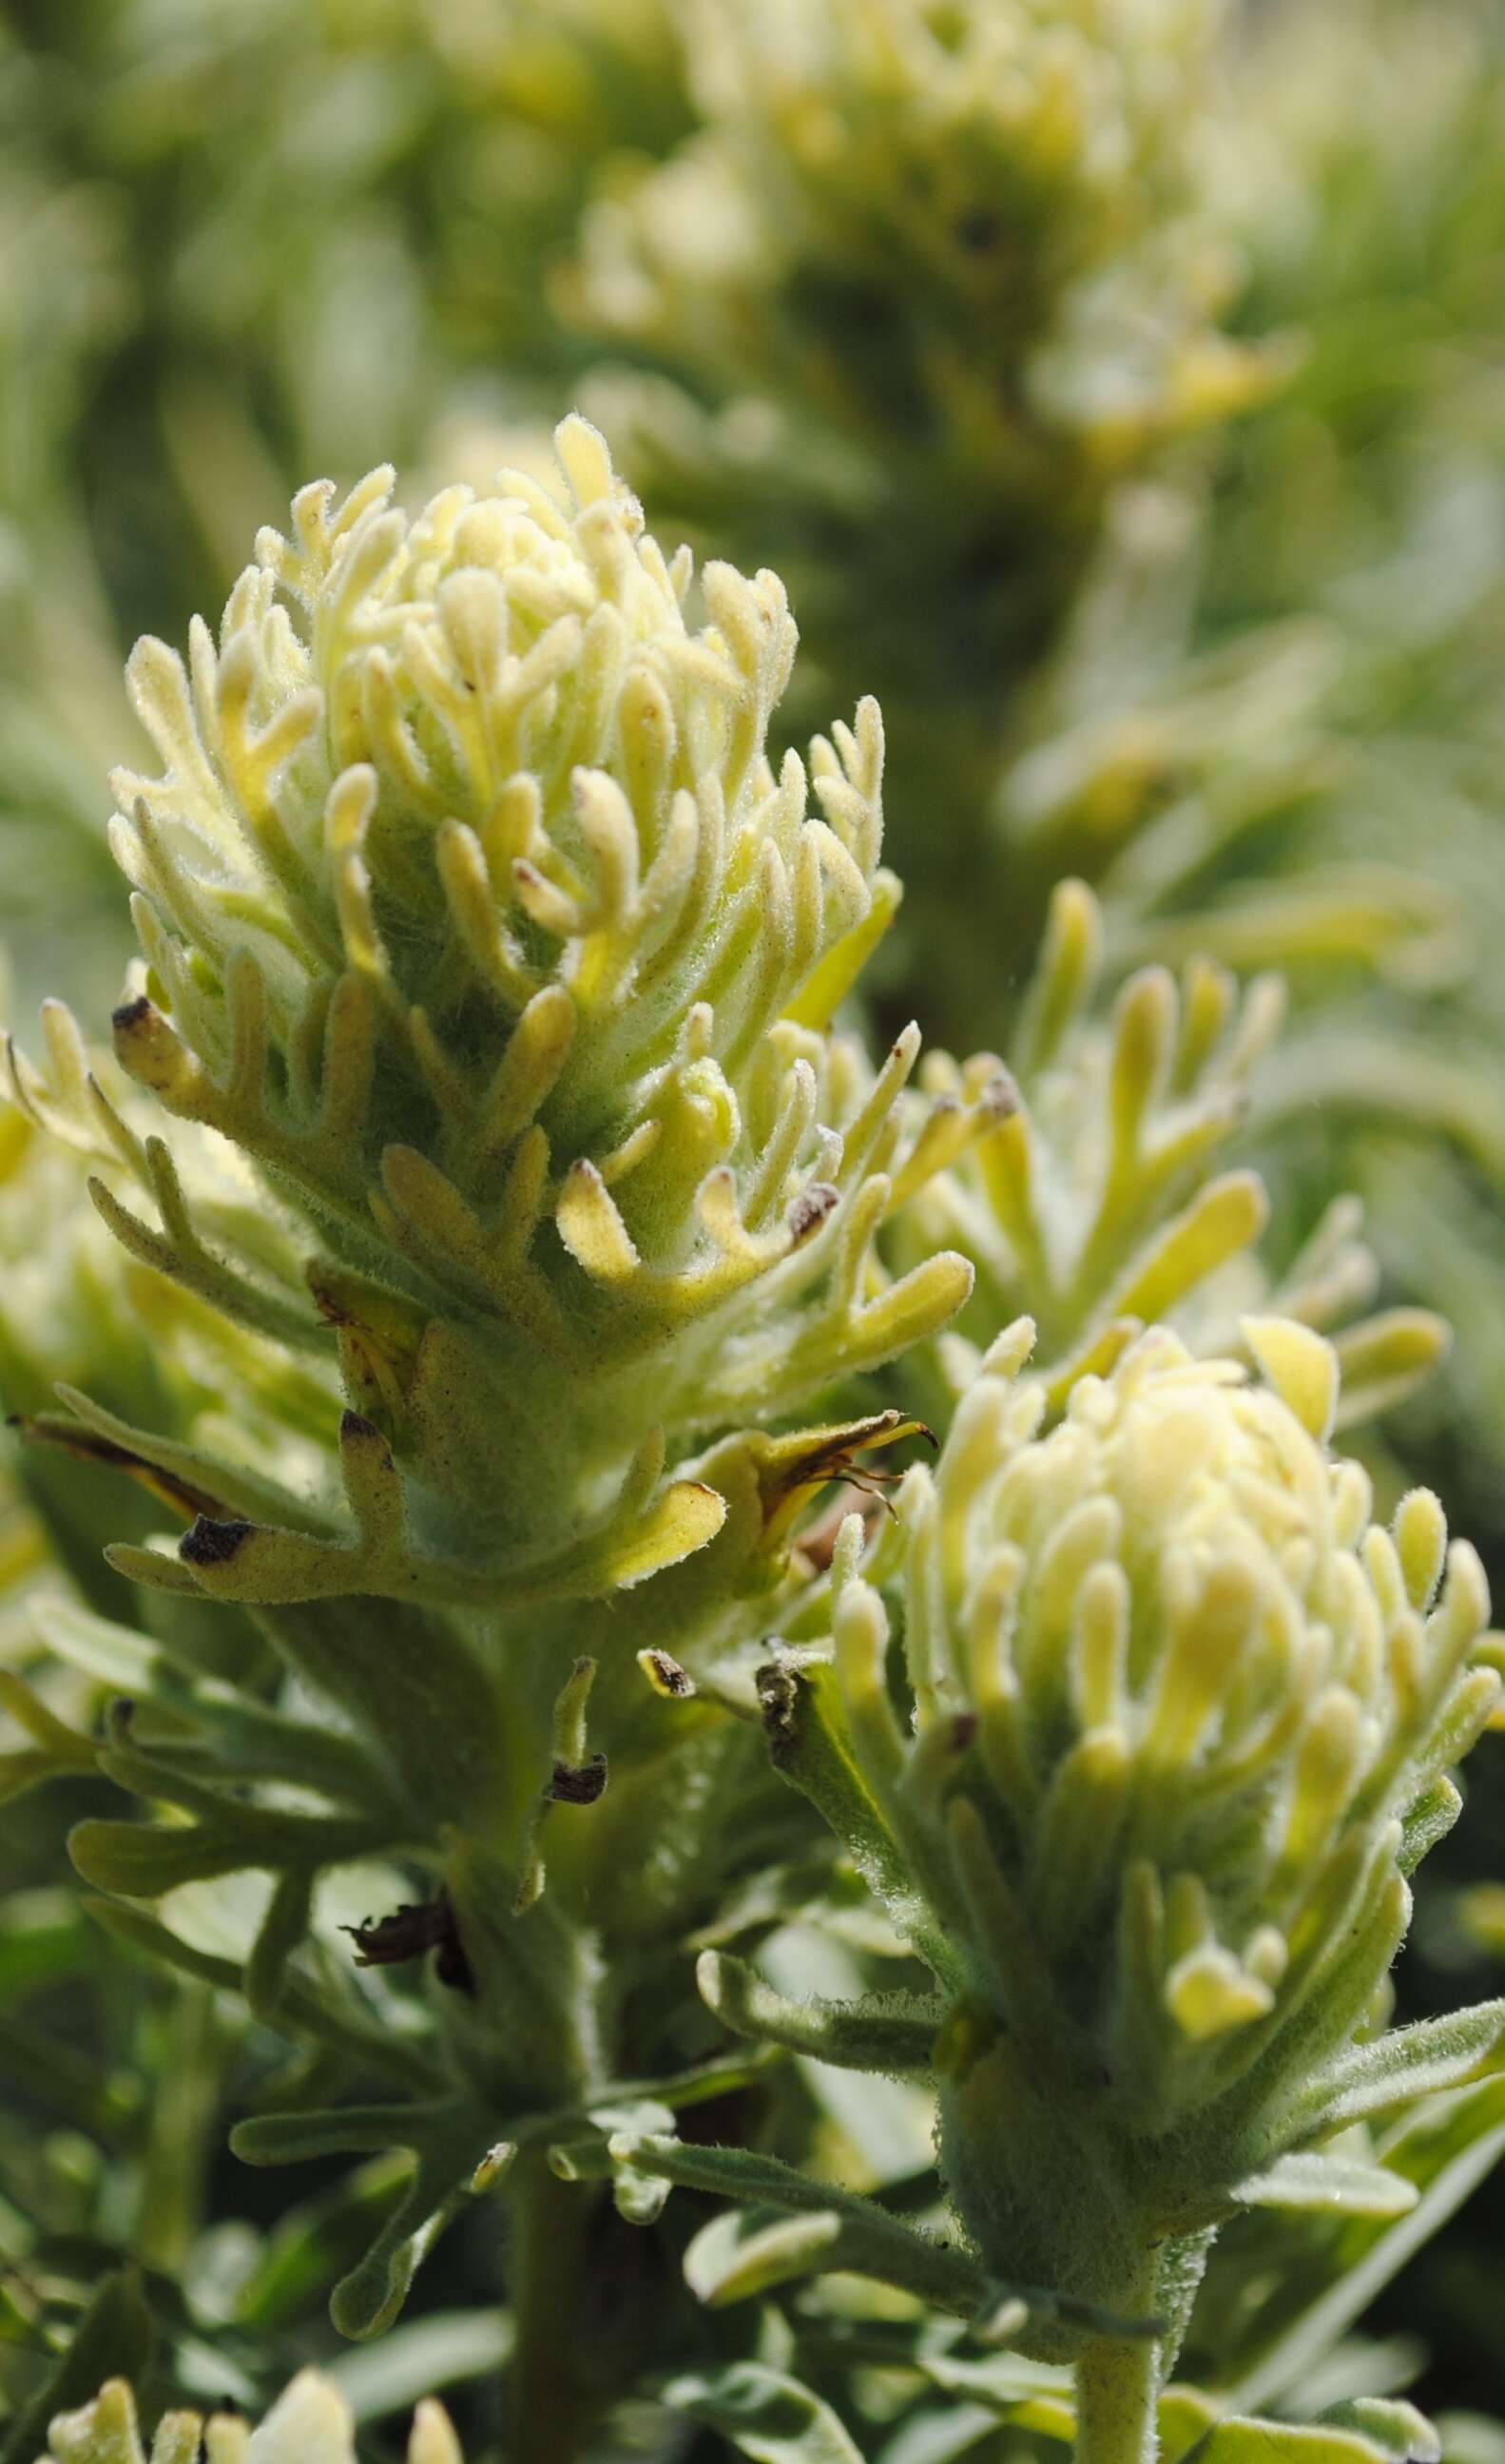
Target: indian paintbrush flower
[1182, 1722]
[925, 286]
[481, 1079]
[476, 918]
[1090, 1198]
[949, 254]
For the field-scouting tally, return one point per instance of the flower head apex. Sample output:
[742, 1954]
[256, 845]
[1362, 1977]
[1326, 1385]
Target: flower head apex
[1172, 1608]
[464, 822]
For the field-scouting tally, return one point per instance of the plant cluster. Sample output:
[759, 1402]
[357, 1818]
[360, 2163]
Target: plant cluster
[722, 1703]
[477, 1123]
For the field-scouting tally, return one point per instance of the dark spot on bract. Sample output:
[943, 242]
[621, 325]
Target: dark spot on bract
[811, 1208]
[1000, 1099]
[214, 1544]
[779, 1694]
[132, 1014]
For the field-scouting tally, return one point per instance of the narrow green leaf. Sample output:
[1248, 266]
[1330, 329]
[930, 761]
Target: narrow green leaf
[281, 1930]
[806, 1727]
[1375, 2431]
[765, 2415]
[145, 1861]
[1446, 2152]
[314, 2243]
[871, 2242]
[1403, 2064]
[366, 2302]
[453, 2165]
[723, 2076]
[343, 2130]
[891, 2033]
[1396, 2429]
[739, 2256]
[1329, 2185]
[152, 1568]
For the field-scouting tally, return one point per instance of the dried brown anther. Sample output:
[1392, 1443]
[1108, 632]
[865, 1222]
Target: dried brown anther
[666, 1676]
[411, 1930]
[578, 1784]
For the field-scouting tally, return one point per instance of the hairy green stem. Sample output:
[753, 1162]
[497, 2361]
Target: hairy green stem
[553, 2399]
[185, 2123]
[1116, 2384]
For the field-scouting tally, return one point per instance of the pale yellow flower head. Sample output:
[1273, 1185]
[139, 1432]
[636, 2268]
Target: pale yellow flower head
[1182, 1715]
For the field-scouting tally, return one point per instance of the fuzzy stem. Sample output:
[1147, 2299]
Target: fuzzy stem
[1116, 2384]
[553, 2400]
[180, 2151]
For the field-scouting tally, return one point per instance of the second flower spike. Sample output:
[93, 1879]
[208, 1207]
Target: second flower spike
[1181, 1719]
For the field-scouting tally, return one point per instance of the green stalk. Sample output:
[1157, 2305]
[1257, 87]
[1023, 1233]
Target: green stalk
[553, 2398]
[184, 2124]
[1117, 2380]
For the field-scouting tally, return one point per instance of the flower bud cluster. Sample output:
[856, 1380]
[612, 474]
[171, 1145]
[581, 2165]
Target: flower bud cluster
[921, 256]
[1091, 1202]
[310, 2418]
[478, 921]
[1183, 1719]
